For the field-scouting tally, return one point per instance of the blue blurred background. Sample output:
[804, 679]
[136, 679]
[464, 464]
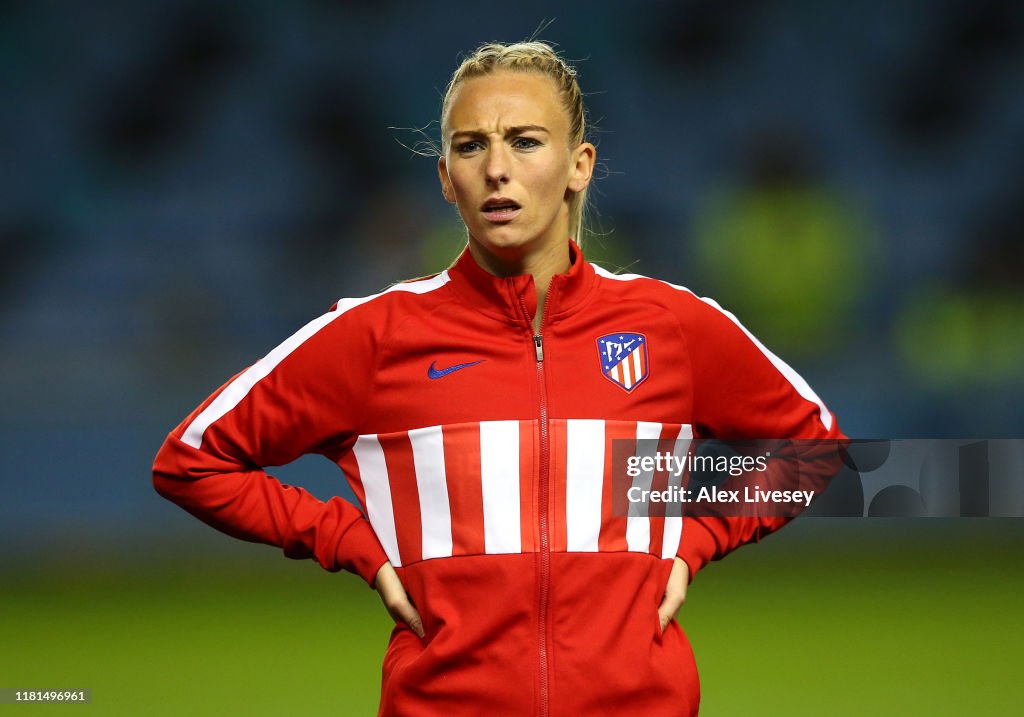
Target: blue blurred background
[187, 183]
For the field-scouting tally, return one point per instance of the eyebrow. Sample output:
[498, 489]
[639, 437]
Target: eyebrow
[519, 129]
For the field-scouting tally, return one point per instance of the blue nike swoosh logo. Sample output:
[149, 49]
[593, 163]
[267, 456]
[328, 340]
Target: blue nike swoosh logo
[434, 372]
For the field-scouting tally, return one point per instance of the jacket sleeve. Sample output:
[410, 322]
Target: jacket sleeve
[299, 399]
[742, 391]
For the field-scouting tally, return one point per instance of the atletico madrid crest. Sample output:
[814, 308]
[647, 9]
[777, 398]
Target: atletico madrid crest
[624, 359]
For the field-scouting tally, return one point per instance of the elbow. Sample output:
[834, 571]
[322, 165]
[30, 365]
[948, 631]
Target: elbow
[170, 476]
[165, 486]
[162, 484]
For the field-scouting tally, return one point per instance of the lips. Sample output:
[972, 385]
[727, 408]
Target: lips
[500, 209]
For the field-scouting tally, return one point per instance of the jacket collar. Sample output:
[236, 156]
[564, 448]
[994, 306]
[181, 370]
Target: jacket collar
[513, 299]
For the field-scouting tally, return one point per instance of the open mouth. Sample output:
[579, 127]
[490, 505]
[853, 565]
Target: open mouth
[500, 209]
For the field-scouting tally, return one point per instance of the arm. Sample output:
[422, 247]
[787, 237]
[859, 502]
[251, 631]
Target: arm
[742, 390]
[294, 401]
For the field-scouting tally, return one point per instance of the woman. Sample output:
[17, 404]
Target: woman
[474, 415]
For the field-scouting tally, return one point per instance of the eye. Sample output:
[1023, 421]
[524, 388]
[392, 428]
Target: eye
[467, 147]
[525, 143]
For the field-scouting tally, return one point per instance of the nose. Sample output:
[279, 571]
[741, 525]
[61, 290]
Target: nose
[496, 166]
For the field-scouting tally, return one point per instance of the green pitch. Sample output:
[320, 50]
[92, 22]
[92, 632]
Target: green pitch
[839, 618]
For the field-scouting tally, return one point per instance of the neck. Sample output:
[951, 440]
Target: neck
[542, 265]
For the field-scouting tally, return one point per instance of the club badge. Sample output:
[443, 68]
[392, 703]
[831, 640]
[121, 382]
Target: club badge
[623, 359]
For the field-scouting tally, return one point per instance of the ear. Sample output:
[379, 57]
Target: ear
[582, 168]
[446, 183]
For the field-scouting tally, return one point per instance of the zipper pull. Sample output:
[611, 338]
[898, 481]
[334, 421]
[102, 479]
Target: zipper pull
[539, 347]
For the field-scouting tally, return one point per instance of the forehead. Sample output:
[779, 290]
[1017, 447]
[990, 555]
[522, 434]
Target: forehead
[506, 98]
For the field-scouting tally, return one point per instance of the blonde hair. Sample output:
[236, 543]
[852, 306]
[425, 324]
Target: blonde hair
[530, 56]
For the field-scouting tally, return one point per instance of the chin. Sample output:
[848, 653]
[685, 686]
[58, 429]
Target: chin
[502, 239]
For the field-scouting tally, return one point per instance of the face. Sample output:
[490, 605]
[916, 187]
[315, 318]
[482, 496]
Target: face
[508, 164]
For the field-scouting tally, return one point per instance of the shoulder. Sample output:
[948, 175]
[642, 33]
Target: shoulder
[701, 318]
[402, 294]
[357, 325]
[395, 303]
[679, 299]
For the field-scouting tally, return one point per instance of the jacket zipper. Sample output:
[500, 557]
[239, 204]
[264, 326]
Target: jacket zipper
[545, 545]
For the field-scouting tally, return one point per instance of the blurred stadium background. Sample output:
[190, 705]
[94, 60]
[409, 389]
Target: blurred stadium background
[186, 183]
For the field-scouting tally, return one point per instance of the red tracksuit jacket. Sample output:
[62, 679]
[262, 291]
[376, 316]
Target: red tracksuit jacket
[480, 455]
